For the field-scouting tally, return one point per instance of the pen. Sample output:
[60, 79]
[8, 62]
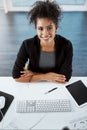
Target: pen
[51, 90]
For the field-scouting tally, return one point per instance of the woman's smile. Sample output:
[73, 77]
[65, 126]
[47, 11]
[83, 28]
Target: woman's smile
[46, 37]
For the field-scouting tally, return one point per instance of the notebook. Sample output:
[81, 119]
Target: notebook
[78, 90]
[9, 98]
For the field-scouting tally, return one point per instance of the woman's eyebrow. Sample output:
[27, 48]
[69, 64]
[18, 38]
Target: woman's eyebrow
[49, 25]
[46, 26]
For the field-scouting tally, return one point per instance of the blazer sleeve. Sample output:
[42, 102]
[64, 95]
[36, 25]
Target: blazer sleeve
[66, 67]
[21, 59]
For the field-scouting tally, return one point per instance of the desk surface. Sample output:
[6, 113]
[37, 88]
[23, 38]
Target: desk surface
[13, 120]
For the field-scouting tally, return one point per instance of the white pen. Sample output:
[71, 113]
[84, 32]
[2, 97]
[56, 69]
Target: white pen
[51, 90]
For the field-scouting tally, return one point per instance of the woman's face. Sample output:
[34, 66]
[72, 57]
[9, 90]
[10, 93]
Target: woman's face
[46, 30]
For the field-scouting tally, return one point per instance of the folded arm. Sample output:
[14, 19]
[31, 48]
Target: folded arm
[29, 76]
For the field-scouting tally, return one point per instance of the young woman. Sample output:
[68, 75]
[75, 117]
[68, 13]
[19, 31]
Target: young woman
[49, 54]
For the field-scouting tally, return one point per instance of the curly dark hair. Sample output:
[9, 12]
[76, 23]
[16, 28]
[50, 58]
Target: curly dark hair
[45, 9]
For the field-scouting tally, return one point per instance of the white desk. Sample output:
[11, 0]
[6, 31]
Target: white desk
[36, 91]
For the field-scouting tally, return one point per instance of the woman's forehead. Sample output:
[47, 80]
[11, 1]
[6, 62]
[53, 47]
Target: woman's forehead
[44, 21]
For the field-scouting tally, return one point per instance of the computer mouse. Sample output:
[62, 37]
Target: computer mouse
[2, 102]
[66, 128]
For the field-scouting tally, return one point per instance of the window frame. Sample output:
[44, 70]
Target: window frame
[9, 7]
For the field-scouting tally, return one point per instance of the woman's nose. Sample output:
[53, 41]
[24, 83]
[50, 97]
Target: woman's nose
[45, 32]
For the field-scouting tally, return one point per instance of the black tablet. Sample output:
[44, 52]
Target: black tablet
[78, 90]
[8, 100]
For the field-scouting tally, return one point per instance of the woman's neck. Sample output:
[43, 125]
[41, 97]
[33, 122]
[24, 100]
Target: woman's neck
[48, 47]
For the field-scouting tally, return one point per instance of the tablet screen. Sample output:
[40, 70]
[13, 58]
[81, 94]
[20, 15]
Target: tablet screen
[78, 91]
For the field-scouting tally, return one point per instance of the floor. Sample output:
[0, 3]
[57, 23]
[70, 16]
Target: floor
[14, 28]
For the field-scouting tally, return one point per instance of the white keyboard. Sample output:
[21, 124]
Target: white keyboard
[56, 105]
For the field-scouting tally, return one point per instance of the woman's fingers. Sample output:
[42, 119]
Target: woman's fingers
[60, 80]
[56, 77]
[26, 73]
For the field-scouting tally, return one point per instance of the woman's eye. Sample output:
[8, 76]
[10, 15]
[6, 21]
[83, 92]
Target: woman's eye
[40, 28]
[49, 28]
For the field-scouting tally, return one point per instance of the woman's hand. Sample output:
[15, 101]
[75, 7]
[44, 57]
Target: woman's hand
[26, 73]
[54, 77]
[26, 76]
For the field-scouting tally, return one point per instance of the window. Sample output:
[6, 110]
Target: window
[71, 2]
[1, 4]
[24, 5]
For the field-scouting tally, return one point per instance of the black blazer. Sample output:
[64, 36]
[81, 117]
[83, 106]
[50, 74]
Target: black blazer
[30, 49]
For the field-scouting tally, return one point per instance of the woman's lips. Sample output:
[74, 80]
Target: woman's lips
[46, 38]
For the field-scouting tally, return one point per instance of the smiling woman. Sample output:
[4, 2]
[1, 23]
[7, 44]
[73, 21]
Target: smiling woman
[49, 54]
